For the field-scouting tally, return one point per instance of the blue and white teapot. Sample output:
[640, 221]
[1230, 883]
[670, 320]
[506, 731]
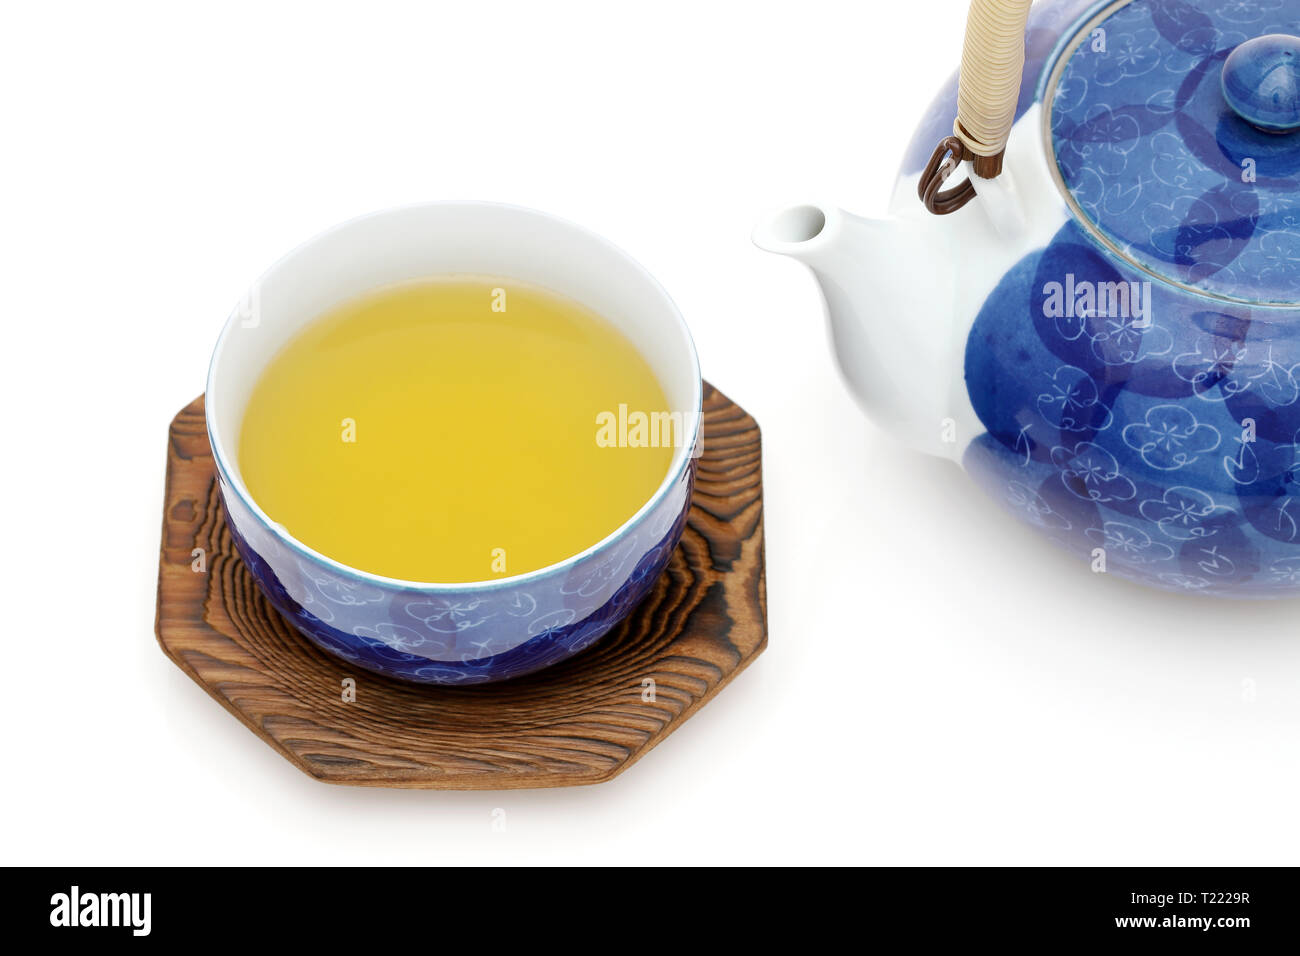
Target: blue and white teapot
[1101, 321]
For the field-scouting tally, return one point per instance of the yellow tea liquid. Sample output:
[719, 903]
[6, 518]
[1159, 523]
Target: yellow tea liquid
[447, 431]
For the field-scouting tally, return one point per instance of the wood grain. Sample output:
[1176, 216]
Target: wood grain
[581, 721]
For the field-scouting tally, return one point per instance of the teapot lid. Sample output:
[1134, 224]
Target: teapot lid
[1175, 131]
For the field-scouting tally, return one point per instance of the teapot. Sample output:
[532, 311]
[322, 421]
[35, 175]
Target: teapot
[1088, 292]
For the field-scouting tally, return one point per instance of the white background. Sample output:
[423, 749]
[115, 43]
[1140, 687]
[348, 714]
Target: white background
[940, 686]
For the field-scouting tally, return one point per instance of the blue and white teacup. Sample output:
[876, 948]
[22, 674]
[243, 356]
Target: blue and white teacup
[487, 630]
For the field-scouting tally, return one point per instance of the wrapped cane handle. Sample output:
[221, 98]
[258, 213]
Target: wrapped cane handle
[992, 64]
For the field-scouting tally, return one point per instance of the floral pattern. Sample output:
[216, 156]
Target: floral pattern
[1170, 437]
[1171, 443]
[1160, 164]
[462, 636]
[1182, 463]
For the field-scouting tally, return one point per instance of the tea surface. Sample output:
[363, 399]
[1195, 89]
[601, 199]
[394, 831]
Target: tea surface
[447, 431]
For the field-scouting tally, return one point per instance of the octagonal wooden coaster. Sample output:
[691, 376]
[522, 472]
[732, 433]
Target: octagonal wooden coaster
[581, 721]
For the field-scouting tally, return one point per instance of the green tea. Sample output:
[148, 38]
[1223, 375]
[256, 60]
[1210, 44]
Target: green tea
[447, 431]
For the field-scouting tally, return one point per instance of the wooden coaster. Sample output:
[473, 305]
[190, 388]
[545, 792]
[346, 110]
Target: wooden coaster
[581, 721]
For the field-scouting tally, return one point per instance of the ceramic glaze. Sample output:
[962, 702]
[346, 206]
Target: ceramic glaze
[1108, 337]
[1261, 82]
[1155, 159]
[479, 631]
[465, 635]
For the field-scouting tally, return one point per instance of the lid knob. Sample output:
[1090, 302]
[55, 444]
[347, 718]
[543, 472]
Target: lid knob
[1261, 82]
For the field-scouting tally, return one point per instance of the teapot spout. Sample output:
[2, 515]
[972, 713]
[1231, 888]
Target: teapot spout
[888, 291]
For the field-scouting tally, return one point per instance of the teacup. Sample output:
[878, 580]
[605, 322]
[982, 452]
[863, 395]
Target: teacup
[485, 630]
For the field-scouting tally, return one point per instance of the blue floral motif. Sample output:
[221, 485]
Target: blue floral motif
[463, 636]
[1132, 543]
[1170, 438]
[1159, 163]
[1035, 509]
[1171, 164]
[1179, 460]
[398, 637]
[1130, 56]
[1183, 463]
[1072, 402]
[1089, 471]
[1178, 581]
[1209, 366]
[1123, 340]
[1215, 562]
[1183, 513]
[452, 616]
[1285, 572]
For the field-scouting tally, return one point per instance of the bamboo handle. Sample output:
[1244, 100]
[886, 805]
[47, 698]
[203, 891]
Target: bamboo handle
[992, 63]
